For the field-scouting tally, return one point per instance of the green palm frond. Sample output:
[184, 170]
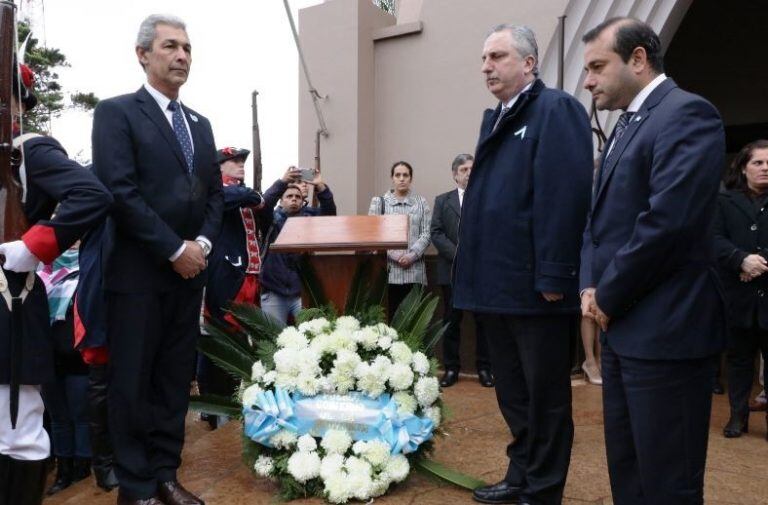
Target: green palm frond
[265, 352]
[256, 322]
[228, 357]
[216, 405]
[231, 337]
[312, 285]
[407, 309]
[440, 471]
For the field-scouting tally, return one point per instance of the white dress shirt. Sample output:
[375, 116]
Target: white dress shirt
[461, 196]
[640, 98]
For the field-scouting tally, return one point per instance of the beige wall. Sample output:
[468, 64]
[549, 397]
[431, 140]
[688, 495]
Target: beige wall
[412, 89]
[417, 97]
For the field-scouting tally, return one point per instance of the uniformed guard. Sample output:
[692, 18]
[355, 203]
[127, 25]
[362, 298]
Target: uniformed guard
[42, 178]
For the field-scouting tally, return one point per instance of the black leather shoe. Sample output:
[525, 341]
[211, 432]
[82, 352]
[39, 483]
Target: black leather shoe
[502, 492]
[486, 378]
[450, 378]
[64, 476]
[736, 426]
[173, 493]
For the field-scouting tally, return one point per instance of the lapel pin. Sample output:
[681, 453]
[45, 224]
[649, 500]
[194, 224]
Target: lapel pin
[638, 118]
[193, 117]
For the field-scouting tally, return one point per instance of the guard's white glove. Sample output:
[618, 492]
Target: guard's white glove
[18, 258]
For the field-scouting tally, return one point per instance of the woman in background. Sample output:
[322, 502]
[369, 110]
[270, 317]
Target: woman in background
[406, 267]
[741, 234]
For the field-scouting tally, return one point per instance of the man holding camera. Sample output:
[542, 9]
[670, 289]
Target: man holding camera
[280, 280]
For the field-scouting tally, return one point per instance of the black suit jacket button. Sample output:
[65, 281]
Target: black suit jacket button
[753, 227]
[595, 243]
[760, 293]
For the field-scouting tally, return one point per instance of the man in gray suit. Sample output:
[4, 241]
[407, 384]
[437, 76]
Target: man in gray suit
[445, 237]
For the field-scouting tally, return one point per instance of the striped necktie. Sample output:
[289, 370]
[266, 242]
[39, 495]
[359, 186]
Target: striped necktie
[504, 110]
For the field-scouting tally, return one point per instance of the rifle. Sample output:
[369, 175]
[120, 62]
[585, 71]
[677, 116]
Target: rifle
[13, 223]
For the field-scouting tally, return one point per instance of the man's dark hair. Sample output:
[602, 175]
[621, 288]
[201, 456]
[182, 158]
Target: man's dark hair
[460, 160]
[734, 177]
[630, 35]
[291, 186]
[403, 163]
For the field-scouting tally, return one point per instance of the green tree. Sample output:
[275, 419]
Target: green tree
[44, 61]
[386, 5]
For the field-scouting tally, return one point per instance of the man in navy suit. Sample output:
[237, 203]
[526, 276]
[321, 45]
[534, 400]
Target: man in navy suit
[517, 259]
[158, 159]
[647, 267]
[445, 235]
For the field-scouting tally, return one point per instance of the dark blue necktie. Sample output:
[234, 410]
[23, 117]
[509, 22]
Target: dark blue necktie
[182, 135]
[618, 131]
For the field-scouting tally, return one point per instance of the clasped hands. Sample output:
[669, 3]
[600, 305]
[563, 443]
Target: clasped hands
[403, 258]
[191, 261]
[752, 266]
[590, 309]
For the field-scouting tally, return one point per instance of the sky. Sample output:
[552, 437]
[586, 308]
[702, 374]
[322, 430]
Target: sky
[237, 46]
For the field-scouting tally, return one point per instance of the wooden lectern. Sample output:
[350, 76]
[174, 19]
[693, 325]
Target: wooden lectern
[337, 244]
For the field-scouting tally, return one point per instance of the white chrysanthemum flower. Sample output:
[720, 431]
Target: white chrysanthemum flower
[321, 344]
[359, 475]
[307, 443]
[348, 323]
[353, 464]
[420, 363]
[406, 403]
[264, 466]
[370, 380]
[308, 385]
[308, 361]
[367, 338]
[257, 371]
[304, 466]
[327, 385]
[315, 326]
[346, 360]
[341, 339]
[250, 393]
[287, 361]
[400, 376]
[343, 381]
[401, 353]
[359, 447]
[381, 365]
[286, 381]
[384, 342]
[426, 390]
[336, 441]
[379, 485]
[433, 413]
[383, 329]
[332, 464]
[337, 488]
[376, 452]
[269, 377]
[291, 338]
[283, 439]
[397, 468]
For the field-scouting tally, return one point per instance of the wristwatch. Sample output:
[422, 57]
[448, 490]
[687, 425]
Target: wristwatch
[204, 245]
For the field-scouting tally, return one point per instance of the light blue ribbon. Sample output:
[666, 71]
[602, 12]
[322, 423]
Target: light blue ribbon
[365, 418]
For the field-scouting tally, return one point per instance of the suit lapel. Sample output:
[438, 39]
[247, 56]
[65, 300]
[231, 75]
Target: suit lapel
[632, 128]
[453, 202]
[149, 107]
[621, 145]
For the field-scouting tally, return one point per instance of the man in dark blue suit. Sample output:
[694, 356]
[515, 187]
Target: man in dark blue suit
[158, 159]
[517, 259]
[647, 267]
